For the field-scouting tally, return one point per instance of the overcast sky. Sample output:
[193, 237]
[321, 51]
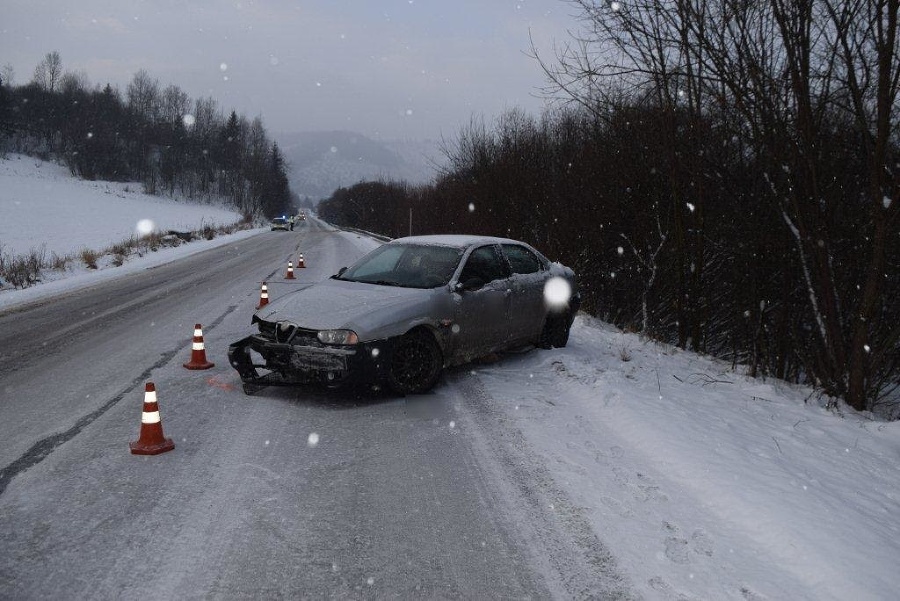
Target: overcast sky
[409, 69]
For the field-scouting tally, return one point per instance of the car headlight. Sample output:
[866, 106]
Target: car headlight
[338, 337]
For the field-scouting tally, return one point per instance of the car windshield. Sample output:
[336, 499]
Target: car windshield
[278, 220]
[406, 265]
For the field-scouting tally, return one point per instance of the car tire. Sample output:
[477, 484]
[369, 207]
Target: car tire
[416, 363]
[556, 331]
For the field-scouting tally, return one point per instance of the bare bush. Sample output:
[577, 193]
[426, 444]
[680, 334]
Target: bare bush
[59, 263]
[89, 258]
[23, 271]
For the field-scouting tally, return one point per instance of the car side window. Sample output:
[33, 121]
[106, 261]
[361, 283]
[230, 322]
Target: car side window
[521, 259]
[484, 263]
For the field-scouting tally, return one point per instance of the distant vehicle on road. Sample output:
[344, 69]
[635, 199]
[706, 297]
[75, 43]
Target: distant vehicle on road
[280, 223]
[407, 310]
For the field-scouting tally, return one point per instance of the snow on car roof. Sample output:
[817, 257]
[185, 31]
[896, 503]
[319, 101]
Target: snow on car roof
[455, 240]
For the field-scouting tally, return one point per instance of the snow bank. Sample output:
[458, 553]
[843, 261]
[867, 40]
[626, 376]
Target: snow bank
[41, 204]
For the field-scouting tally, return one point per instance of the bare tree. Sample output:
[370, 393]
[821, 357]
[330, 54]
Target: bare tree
[786, 76]
[74, 82]
[143, 96]
[174, 104]
[8, 75]
[48, 72]
[865, 40]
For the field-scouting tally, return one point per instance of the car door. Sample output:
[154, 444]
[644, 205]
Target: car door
[527, 306]
[481, 316]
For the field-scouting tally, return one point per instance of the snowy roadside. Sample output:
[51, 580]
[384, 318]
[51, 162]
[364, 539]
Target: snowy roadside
[58, 283]
[702, 482]
[42, 205]
[51, 222]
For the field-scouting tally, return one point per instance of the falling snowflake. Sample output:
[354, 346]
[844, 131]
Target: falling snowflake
[188, 120]
[313, 440]
[145, 226]
[557, 292]
[690, 207]
[620, 250]
[223, 67]
[616, 6]
[471, 207]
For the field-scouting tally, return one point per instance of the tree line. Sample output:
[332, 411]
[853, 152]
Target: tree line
[155, 135]
[722, 175]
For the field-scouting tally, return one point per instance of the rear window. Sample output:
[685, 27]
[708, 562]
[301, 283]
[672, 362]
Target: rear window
[521, 259]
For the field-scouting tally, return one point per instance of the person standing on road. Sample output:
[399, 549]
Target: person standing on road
[291, 222]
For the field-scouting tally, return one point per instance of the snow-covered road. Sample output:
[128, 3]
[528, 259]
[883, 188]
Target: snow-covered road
[288, 493]
[614, 468]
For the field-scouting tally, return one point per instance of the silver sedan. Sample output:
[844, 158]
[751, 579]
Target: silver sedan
[407, 310]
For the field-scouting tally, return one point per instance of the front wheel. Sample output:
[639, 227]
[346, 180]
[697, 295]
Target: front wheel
[556, 331]
[416, 363]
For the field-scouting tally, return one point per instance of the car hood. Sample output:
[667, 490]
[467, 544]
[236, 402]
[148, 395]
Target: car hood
[371, 311]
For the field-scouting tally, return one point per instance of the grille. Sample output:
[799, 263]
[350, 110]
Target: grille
[285, 332]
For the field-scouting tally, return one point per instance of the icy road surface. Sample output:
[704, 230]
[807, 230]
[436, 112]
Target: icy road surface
[285, 494]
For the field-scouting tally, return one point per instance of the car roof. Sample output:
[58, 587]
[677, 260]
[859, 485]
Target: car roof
[455, 240]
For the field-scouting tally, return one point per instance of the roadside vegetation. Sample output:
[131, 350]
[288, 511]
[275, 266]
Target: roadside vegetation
[25, 270]
[721, 177]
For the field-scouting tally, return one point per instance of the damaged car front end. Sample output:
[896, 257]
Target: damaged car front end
[284, 354]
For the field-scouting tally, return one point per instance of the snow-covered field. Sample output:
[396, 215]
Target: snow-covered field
[43, 208]
[41, 204]
[702, 483]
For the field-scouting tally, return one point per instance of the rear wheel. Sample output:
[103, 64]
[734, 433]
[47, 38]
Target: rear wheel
[416, 363]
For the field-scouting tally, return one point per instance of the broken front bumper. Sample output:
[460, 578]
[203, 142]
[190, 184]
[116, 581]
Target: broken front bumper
[262, 362]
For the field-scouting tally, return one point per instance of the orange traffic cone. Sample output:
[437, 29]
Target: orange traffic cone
[300, 263]
[290, 271]
[263, 296]
[198, 352]
[151, 441]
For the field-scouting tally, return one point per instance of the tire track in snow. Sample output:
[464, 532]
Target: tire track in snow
[560, 536]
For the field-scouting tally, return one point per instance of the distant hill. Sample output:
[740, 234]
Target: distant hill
[321, 162]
